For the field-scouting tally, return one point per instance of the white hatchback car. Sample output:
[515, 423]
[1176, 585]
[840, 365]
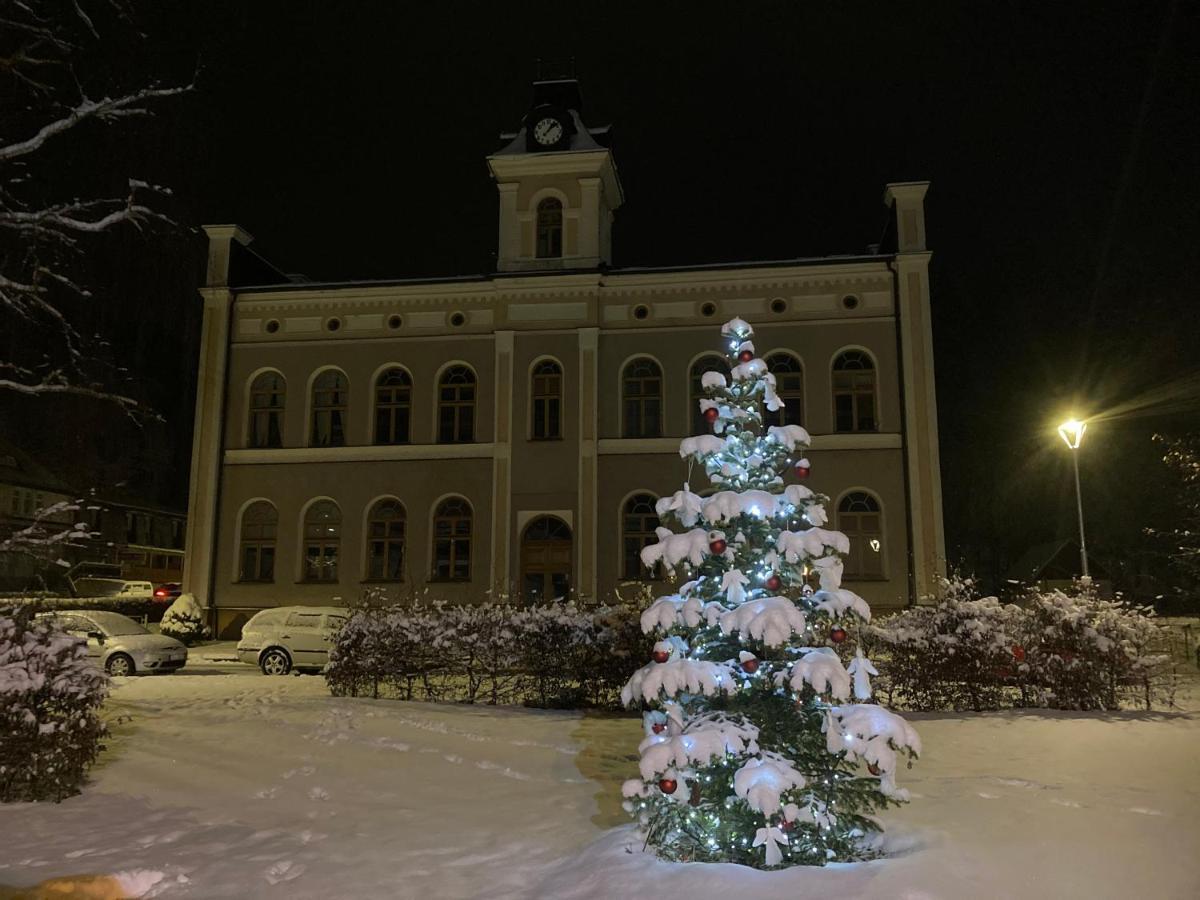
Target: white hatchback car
[291, 637]
[119, 644]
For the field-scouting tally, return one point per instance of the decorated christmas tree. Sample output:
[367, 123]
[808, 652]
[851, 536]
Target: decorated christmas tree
[754, 752]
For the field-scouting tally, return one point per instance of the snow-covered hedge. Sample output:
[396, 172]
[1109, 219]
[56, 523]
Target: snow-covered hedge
[50, 697]
[184, 620]
[554, 655]
[1055, 649]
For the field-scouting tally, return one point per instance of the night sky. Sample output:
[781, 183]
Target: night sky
[1060, 140]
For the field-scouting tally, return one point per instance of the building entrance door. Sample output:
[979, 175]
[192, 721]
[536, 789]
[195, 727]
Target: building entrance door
[545, 560]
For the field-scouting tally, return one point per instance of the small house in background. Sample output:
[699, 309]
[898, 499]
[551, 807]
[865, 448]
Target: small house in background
[1054, 565]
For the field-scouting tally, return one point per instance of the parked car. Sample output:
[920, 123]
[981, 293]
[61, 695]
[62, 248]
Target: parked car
[167, 592]
[119, 644]
[291, 637]
[136, 590]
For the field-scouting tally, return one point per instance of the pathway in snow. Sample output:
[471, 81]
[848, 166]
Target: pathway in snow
[245, 786]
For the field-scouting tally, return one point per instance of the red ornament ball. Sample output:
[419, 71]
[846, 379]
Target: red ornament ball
[661, 656]
[787, 825]
[668, 785]
[774, 583]
[745, 356]
[658, 727]
[711, 414]
[873, 769]
[802, 471]
[718, 546]
[837, 635]
[1018, 652]
[750, 666]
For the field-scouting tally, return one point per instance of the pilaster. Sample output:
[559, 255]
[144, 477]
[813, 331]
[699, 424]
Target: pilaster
[502, 464]
[585, 532]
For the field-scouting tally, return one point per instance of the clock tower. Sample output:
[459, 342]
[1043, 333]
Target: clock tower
[558, 186]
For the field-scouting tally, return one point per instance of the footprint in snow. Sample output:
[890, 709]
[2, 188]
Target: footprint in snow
[307, 836]
[285, 870]
[987, 796]
[75, 854]
[1145, 811]
[1070, 804]
[318, 793]
[303, 770]
[266, 794]
[452, 757]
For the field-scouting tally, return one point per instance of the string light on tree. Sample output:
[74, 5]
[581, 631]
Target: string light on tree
[749, 641]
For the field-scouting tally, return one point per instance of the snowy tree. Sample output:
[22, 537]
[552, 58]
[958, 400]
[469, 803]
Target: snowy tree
[1183, 458]
[755, 748]
[50, 698]
[184, 620]
[56, 98]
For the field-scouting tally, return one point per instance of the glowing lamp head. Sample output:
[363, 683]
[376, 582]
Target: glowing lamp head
[1071, 432]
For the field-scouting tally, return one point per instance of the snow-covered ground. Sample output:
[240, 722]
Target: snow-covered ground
[238, 785]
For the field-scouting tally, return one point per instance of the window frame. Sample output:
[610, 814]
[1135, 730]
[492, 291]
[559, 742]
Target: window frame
[642, 398]
[698, 424]
[259, 543]
[791, 413]
[859, 537]
[454, 540]
[269, 412]
[548, 236]
[337, 412]
[392, 407]
[391, 539]
[647, 536]
[551, 399]
[310, 573]
[846, 382]
[457, 404]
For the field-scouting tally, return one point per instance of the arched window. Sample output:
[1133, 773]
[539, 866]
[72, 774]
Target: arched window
[393, 405]
[322, 541]
[854, 392]
[385, 541]
[329, 396]
[456, 406]
[268, 393]
[860, 519]
[260, 522]
[638, 521]
[452, 540]
[705, 364]
[641, 399]
[789, 385]
[546, 401]
[549, 228]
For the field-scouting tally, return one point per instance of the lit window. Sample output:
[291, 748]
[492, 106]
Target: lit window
[322, 541]
[268, 394]
[549, 228]
[546, 401]
[860, 519]
[330, 394]
[854, 392]
[641, 399]
[452, 540]
[259, 524]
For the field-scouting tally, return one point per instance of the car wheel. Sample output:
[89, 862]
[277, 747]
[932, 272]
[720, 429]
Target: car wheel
[119, 665]
[275, 662]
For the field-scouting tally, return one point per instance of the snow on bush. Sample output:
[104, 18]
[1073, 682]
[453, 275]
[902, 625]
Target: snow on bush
[1056, 649]
[184, 620]
[50, 697]
[552, 655]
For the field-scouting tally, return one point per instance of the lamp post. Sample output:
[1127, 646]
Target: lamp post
[1071, 432]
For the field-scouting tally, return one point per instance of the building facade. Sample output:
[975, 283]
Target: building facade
[511, 431]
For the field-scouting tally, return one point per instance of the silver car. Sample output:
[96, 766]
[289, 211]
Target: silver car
[291, 637]
[119, 644]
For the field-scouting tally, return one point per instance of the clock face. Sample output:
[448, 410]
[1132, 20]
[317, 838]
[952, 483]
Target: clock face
[548, 131]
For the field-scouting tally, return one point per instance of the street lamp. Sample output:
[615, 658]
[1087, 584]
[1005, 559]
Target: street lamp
[1071, 432]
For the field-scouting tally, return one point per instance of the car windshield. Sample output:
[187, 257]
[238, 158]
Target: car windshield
[115, 624]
